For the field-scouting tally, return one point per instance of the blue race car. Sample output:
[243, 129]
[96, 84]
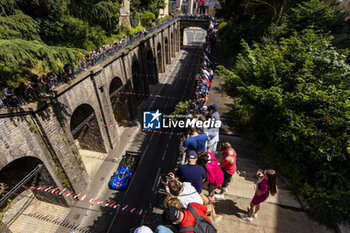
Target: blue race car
[126, 168]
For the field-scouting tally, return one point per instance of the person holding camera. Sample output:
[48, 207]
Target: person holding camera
[264, 187]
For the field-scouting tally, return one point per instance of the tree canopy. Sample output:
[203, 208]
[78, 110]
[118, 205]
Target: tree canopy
[49, 33]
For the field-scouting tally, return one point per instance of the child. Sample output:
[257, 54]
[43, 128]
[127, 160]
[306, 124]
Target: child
[265, 186]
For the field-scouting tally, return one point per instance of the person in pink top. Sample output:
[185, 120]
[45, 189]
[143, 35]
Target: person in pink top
[265, 186]
[228, 164]
[215, 176]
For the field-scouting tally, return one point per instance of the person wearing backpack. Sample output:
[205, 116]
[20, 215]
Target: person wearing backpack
[190, 220]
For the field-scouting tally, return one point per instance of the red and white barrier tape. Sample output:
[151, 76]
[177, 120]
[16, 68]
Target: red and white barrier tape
[91, 200]
[148, 95]
[89, 124]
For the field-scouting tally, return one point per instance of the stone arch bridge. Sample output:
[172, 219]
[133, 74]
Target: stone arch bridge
[50, 132]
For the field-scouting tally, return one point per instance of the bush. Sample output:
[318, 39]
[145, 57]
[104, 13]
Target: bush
[137, 29]
[147, 18]
[134, 18]
[294, 97]
[72, 32]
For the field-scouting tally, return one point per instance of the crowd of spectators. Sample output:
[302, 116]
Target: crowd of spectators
[201, 179]
[28, 92]
[187, 206]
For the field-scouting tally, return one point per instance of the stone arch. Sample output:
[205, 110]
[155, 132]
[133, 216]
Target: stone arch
[152, 67]
[119, 101]
[159, 55]
[166, 48]
[15, 171]
[85, 129]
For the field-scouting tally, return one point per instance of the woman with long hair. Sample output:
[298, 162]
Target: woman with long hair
[264, 187]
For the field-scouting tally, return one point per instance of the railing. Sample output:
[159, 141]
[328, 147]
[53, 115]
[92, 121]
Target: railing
[30, 175]
[34, 90]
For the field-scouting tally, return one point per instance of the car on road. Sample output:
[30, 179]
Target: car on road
[121, 178]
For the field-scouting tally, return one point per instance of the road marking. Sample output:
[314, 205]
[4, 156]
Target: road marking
[156, 180]
[164, 153]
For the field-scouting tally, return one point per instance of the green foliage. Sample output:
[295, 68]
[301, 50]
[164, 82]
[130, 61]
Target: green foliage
[222, 26]
[134, 18]
[182, 107]
[9, 6]
[268, 20]
[99, 13]
[293, 97]
[147, 18]
[158, 20]
[137, 7]
[311, 13]
[137, 29]
[3, 187]
[106, 15]
[46, 9]
[19, 26]
[50, 32]
[72, 32]
[18, 56]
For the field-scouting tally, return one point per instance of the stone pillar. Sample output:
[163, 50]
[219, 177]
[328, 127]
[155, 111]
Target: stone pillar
[178, 4]
[125, 13]
[190, 7]
[164, 11]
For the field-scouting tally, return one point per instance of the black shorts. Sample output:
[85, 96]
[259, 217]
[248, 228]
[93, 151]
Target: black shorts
[227, 178]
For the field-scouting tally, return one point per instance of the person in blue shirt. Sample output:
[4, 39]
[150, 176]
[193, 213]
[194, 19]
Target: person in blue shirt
[190, 143]
[191, 172]
[202, 139]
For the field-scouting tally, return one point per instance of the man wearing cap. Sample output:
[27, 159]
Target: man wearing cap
[204, 111]
[184, 218]
[191, 172]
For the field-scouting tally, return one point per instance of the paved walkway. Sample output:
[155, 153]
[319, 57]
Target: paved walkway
[281, 213]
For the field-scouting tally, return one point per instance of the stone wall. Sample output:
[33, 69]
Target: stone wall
[44, 130]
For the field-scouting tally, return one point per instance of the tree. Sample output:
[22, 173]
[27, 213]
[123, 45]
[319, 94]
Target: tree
[146, 18]
[47, 9]
[308, 14]
[293, 98]
[18, 26]
[18, 57]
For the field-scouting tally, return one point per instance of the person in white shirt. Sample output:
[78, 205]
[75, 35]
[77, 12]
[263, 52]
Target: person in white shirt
[185, 192]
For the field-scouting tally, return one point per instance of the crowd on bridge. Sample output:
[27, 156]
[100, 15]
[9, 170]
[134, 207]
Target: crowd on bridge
[201, 179]
[27, 92]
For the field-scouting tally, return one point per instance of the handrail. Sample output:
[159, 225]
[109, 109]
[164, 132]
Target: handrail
[4, 199]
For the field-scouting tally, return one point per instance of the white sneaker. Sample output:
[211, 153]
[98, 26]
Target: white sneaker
[218, 218]
[254, 215]
[219, 196]
[246, 218]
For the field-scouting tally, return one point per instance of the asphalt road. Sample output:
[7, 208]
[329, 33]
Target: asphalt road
[157, 156]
